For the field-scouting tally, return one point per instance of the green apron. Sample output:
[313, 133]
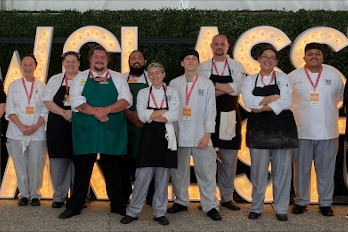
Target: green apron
[133, 131]
[93, 136]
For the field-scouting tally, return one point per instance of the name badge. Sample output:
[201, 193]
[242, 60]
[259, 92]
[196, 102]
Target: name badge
[314, 98]
[132, 81]
[186, 114]
[29, 111]
[67, 100]
[103, 82]
[83, 82]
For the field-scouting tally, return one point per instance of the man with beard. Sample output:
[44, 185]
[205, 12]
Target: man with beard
[227, 76]
[137, 80]
[98, 98]
[317, 89]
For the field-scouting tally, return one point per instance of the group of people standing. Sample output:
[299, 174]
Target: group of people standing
[142, 127]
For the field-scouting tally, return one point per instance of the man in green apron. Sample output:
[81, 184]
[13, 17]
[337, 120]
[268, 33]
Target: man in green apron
[98, 98]
[137, 79]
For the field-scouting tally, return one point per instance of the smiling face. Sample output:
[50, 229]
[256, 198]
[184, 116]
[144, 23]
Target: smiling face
[71, 64]
[136, 63]
[190, 63]
[314, 59]
[219, 46]
[28, 66]
[99, 61]
[156, 76]
[268, 60]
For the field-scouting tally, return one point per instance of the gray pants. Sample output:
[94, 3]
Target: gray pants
[29, 166]
[205, 169]
[281, 176]
[62, 172]
[143, 177]
[323, 152]
[227, 173]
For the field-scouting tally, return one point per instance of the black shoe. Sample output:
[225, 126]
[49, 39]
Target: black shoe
[148, 202]
[128, 219]
[230, 205]
[35, 202]
[282, 217]
[121, 211]
[68, 213]
[253, 215]
[57, 204]
[23, 201]
[176, 208]
[299, 209]
[214, 214]
[326, 211]
[162, 220]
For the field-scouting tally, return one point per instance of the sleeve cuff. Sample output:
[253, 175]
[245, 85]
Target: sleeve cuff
[276, 109]
[209, 127]
[257, 102]
[147, 115]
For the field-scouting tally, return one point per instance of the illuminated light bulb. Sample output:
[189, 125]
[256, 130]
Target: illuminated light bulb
[248, 64]
[43, 43]
[44, 181]
[246, 190]
[102, 190]
[241, 50]
[8, 189]
[256, 69]
[242, 58]
[312, 36]
[111, 44]
[241, 182]
[203, 51]
[40, 69]
[246, 42]
[10, 181]
[316, 194]
[279, 40]
[340, 125]
[129, 43]
[46, 189]
[270, 191]
[129, 33]
[205, 43]
[300, 49]
[208, 33]
[15, 72]
[321, 35]
[299, 58]
[95, 175]
[305, 41]
[262, 34]
[190, 191]
[13, 172]
[338, 41]
[42, 51]
[98, 183]
[96, 34]
[41, 60]
[271, 35]
[330, 36]
[88, 34]
[253, 36]
[128, 52]
[44, 34]
[73, 44]
[105, 37]
[246, 154]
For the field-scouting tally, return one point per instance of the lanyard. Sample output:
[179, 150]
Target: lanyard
[100, 78]
[188, 94]
[26, 91]
[216, 70]
[272, 78]
[154, 100]
[310, 80]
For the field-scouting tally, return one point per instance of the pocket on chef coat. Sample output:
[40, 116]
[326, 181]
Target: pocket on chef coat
[227, 130]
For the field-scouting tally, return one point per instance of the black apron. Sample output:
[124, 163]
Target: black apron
[266, 130]
[59, 131]
[226, 103]
[153, 146]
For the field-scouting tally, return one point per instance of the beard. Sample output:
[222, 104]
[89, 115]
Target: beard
[137, 71]
[219, 52]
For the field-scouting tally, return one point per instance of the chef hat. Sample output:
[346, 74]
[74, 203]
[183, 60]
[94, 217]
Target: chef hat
[311, 46]
[189, 52]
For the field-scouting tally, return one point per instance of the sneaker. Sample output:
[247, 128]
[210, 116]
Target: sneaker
[128, 219]
[23, 201]
[214, 214]
[326, 211]
[35, 202]
[162, 220]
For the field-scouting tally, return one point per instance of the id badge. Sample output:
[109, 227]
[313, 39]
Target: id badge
[132, 81]
[104, 82]
[186, 114]
[29, 111]
[313, 98]
[67, 100]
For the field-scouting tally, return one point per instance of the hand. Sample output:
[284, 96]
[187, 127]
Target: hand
[101, 112]
[139, 124]
[104, 119]
[67, 115]
[133, 117]
[204, 141]
[24, 129]
[31, 129]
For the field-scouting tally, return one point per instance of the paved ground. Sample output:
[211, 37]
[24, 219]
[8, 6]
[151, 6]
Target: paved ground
[98, 218]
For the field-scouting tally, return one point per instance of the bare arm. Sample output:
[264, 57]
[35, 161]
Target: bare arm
[86, 109]
[114, 108]
[2, 109]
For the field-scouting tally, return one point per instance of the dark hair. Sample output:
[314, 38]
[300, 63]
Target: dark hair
[32, 56]
[269, 47]
[189, 52]
[98, 48]
[64, 55]
[136, 51]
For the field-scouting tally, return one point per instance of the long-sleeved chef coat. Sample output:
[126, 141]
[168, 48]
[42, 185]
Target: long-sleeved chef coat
[203, 110]
[316, 122]
[53, 85]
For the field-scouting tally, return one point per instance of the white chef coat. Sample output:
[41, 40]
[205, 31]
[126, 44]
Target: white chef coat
[53, 85]
[316, 122]
[283, 83]
[236, 69]
[79, 81]
[16, 103]
[140, 79]
[203, 110]
[172, 96]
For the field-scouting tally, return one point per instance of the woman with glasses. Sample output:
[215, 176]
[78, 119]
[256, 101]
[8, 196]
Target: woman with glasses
[271, 133]
[59, 130]
[26, 135]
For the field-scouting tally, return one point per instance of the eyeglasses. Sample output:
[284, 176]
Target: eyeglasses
[272, 58]
[71, 53]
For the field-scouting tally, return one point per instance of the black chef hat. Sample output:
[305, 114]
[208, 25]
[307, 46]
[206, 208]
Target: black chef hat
[188, 52]
[311, 46]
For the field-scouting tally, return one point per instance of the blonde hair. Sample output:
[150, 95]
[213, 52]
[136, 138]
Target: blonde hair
[156, 65]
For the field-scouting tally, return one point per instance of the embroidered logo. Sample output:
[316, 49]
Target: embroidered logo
[328, 81]
[201, 92]
[169, 97]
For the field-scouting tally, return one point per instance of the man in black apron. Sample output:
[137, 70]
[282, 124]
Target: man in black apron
[137, 79]
[227, 76]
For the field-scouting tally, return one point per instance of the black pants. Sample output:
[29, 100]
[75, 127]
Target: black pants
[110, 166]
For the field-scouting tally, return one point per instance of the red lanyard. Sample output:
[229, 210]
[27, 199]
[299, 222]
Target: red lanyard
[216, 70]
[154, 100]
[272, 78]
[66, 84]
[26, 91]
[100, 78]
[310, 80]
[188, 94]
